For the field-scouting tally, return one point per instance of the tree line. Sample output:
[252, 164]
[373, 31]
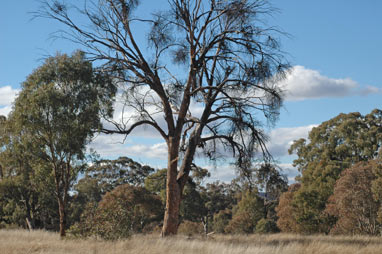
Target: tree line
[48, 181]
[221, 56]
[339, 187]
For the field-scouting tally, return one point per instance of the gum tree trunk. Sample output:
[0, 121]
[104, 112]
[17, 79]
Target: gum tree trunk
[173, 192]
[176, 181]
[62, 214]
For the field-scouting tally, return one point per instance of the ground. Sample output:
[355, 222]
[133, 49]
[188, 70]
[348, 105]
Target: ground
[42, 242]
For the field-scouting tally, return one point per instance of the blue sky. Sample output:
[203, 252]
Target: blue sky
[334, 46]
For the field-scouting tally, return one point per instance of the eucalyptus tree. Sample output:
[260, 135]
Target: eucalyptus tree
[208, 79]
[331, 148]
[56, 114]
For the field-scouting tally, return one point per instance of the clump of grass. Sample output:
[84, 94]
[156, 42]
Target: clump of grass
[42, 242]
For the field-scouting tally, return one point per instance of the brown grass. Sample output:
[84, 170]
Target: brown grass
[19, 241]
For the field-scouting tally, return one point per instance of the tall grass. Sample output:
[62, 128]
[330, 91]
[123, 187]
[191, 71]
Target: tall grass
[19, 241]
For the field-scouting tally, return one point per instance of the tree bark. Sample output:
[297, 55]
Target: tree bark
[61, 207]
[173, 191]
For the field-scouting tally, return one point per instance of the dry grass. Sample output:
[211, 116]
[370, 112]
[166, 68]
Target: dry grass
[19, 241]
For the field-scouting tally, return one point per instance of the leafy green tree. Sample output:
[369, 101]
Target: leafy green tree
[266, 226]
[156, 183]
[112, 173]
[24, 184]
[221, 220]
[56, 114]
[87, 191]
[332, 147]
[218, 197]
[247, 213]
[103, 176]
[225, 60]
[123, 211]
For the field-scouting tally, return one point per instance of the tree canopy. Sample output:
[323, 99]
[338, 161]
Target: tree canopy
[331, 148]
[55, 115]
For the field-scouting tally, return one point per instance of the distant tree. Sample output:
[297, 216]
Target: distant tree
[219, 55]
[87, 193]
[123, 211]
[218, 197]
[332, 147]
[221, 220]
[111, 173]
[271, 181]
[103, 176]
[353, 202]
[247, 213]
[56, 114]
[286, 211]
[266, 226]
[156, 183]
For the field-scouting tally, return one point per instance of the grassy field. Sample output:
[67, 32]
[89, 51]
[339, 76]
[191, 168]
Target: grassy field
[18, 241]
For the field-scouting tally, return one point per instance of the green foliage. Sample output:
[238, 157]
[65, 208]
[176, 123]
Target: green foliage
[219, 196]
[55, 116]
[124, 211]
[333, 146]
[112, 173]
[221, 220]
[102, 177]
[26, 185]
[156, 183]
[266, 226]
[192, 207]
[60, 106]
[247, 213]
[269, 179]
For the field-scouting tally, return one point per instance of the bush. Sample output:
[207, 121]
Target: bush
[191, 228]
[121, 212]
[221, 220]
[266, 226]
[246, 213]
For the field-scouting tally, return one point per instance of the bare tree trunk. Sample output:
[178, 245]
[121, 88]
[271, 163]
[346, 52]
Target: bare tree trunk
[205, 225]
[173, 192]
[61, 207]
[29, 224]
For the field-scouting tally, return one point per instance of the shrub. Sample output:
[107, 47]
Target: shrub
[266, 226]
[121, 212]
[221, 220]
[191, 228]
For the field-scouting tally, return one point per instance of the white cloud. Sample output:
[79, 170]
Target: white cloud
[4, 111]
[302, 84]
[290, 171]
[223, 173]
[155, 151]
[108, 145]
[282, 138]
[7, 95]
[113, 146]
